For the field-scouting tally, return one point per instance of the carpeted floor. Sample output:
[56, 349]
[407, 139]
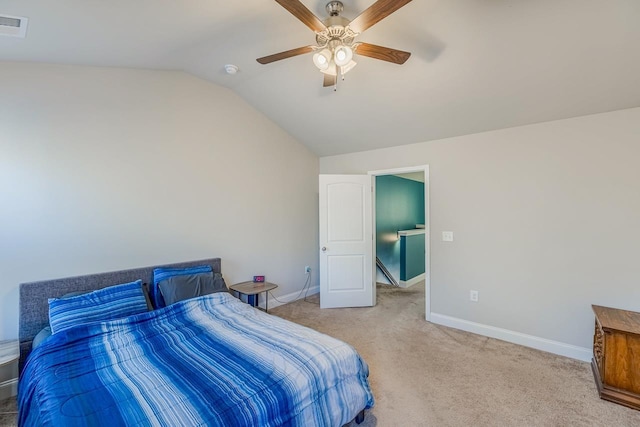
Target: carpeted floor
[8, 413]
[428, 375]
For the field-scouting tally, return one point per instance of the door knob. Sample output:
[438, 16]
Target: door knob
[324, 249]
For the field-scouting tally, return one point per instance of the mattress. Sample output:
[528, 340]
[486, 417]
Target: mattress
[211, 361]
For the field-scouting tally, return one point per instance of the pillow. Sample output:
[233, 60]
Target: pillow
[46, 331]
[178, 288]
[109, 303]
[163, 273]
[41, 336]
[74, 294]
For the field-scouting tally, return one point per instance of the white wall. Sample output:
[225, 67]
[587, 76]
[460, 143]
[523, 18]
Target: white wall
[546, 220]
[103, 169]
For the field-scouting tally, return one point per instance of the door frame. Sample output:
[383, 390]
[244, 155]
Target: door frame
[427, 225]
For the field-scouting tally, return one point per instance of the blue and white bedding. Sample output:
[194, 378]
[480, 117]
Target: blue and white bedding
[207, 361]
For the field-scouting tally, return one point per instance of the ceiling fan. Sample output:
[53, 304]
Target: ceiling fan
[335, 38]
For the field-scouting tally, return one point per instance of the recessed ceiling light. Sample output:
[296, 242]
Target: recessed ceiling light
[231, 69]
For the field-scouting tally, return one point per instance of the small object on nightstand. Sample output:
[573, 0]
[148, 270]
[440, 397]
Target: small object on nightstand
[258, 279]
[252, 290]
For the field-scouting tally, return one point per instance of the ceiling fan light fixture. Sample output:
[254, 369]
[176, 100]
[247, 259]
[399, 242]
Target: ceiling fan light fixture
[346, 68]
[343, 55]
[322, 59]
[332, 70]
[335, 37]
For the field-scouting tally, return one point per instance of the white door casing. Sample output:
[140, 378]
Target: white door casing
[346, 241]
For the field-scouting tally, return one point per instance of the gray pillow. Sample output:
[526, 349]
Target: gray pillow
[178, 288]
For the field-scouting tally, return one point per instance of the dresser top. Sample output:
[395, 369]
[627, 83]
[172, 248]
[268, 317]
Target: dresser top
[9, 351]
[618, 320]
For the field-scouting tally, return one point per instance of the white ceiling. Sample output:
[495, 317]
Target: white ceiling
[476, 65]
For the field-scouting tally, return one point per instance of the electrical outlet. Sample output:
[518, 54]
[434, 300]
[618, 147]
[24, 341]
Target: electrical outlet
[307, 269]
[473, 296]
[447, 236]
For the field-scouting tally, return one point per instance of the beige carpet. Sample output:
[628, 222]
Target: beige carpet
[7, 413]
[428, 375]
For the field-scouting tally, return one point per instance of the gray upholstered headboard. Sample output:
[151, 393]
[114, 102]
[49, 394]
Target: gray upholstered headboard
[34, 305]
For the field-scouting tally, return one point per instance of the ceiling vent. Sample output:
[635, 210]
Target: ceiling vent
[13, 26]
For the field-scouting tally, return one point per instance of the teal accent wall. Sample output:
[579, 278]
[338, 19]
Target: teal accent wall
[399, 206]
[412, 256]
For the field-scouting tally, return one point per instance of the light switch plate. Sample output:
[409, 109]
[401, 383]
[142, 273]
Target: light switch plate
[447, 236]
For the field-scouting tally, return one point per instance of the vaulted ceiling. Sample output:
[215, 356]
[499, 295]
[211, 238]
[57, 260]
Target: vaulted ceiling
[476, 65]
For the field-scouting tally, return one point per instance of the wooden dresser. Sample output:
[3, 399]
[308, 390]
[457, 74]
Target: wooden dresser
[616, 355]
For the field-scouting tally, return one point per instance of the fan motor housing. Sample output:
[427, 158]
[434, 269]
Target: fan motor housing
[334, 8]
[337, 26]
[336, 21]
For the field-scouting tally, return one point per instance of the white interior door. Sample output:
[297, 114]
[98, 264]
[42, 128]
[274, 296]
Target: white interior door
[346, 241]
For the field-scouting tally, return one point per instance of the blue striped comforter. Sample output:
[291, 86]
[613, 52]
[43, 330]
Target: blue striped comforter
[208, 361]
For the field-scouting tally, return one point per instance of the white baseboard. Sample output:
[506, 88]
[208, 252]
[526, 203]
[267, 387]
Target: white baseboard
[8, 389]
[290, 297]
[555, 347]
[405, 284]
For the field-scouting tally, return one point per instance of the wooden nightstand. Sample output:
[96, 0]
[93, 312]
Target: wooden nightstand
[616, 355]
[252, 290]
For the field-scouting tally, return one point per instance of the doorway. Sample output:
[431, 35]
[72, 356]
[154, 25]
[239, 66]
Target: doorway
[418, 173]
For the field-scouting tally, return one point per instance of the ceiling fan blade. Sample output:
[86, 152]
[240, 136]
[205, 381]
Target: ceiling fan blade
[301, 12]
[383, 53]
[329, 80]
[375, 13]
[285, 54]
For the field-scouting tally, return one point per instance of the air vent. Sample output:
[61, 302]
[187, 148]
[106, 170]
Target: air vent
[13, 26]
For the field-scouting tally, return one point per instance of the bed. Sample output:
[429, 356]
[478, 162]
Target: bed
[211, 360]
